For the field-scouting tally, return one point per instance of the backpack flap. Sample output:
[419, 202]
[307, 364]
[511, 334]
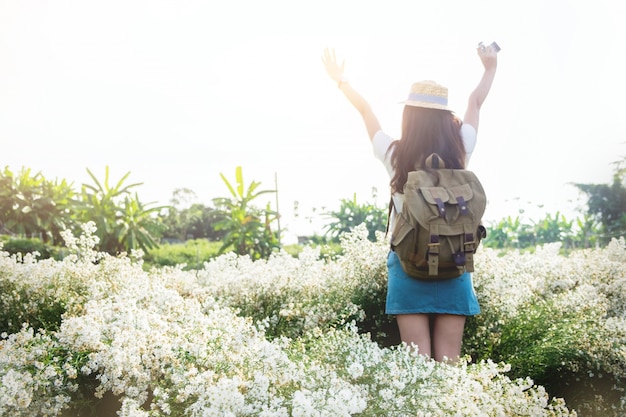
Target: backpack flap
[437, 197]
[457, 196]
[461, 196]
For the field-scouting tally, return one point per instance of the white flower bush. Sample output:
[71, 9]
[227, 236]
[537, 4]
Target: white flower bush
[292, 296]
[561, 318]
[36, 375]
[279, 337]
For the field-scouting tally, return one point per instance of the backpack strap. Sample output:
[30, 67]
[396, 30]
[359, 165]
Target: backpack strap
[469, 246]
[433, 250]
[389, 215]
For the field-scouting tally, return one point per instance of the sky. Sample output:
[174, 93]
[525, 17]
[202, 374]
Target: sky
[177, 92]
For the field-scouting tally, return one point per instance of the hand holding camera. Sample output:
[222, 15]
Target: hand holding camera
[493, 45]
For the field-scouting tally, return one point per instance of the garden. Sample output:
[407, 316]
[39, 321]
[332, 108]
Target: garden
[241, 326]
[96, 334]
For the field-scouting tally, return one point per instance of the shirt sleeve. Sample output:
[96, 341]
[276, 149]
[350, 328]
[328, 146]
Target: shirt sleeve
[380, 143]
[468, 133]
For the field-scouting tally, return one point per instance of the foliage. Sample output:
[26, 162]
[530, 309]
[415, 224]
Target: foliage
[123, 222]
[291, 296]
[185, 219]
[23, 246]
[555, 341]
[352, 214]
[197, 222]
[512, 233]
[32, 206]
[328, 250]
[560, 320]
[248, 229]
[192, 254]
[607, 203]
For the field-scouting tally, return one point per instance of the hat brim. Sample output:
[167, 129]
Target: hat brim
[425, 104]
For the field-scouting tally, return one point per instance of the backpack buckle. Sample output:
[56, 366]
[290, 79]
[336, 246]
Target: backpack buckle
[433, 255]
[440, 207]
[459, 258]
[462, 205]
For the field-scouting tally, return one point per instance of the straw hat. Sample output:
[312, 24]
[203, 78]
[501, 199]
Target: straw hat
[428, 94]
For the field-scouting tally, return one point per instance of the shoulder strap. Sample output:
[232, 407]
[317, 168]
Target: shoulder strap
[389, 215]
[434, 161]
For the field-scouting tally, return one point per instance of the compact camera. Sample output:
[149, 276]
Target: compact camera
[494, 45]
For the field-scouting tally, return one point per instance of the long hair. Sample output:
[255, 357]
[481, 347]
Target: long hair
[425, 131]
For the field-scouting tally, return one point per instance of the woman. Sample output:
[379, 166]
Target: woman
[430, 314]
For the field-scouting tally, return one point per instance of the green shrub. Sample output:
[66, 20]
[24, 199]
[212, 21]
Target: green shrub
[562, 348]
[46, 313]
[328, 250]
[29, 245]
[558, 320]
[193, 254]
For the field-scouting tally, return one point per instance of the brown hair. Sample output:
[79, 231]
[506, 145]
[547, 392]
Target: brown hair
[425, 131]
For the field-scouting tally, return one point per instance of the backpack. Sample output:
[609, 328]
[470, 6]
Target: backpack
[439, 228]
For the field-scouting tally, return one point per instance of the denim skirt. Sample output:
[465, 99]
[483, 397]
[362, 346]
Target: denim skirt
[407, 295]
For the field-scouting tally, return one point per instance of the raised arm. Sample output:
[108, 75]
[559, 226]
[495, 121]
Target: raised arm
[335, 71]
[489, 58]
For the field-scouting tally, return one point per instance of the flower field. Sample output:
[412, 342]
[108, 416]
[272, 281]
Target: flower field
[97, 335]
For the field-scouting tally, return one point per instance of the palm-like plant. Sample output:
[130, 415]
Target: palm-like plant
[352, 214]
[137, 228]
[247, 228]
[123, 223]
[32, 206]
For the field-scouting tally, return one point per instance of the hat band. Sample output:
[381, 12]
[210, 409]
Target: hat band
[428, 98]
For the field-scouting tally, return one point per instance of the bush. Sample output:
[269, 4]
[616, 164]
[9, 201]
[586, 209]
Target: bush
[191, 255]
[327, 250]
[560, 320]
[29, 245]
[560, 343]
[168, 342]
[278, 336]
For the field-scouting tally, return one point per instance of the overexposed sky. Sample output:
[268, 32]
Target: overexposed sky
[179, 91]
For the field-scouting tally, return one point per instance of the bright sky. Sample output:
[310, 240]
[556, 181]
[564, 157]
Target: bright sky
[179, 91]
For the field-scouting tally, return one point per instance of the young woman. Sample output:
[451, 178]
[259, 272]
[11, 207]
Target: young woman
[430, 314]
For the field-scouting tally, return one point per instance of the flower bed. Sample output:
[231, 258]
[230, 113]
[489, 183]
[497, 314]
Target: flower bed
[291, 337]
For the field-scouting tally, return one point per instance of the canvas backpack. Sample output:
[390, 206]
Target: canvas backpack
[439, 228]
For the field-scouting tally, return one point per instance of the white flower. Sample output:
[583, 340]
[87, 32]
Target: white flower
[355, 370]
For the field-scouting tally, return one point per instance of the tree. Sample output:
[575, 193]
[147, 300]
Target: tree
[31, 206]
[186, 219]
[606, 203]
[175, 218]
[247, 228]
[201, 221]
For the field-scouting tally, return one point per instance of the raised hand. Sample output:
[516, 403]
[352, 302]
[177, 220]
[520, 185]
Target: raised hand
[488, 55]
[334, 70]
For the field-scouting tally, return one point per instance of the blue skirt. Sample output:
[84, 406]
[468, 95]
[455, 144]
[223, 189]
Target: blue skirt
[406, 295]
